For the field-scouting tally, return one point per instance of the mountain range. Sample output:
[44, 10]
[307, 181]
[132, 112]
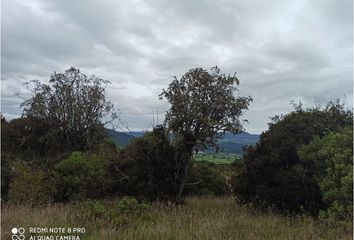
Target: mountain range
[230, 143]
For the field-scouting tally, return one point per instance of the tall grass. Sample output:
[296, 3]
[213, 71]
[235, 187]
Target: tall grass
[201, 218]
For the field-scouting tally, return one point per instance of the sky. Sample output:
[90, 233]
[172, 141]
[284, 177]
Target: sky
[282, 50]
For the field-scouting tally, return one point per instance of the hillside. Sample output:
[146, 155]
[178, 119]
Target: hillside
[119, 138]
[230, 143]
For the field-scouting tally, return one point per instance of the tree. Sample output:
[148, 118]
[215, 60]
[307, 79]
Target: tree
[203, 108]
[73, 108]
[273, 174]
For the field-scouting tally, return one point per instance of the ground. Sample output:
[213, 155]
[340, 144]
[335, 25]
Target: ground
[200, 218]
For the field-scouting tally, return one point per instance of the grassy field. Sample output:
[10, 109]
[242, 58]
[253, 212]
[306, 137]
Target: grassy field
[218, 158]
[201, 218]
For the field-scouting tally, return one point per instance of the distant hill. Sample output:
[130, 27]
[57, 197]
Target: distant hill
[234, 143]
[135, 133]
[119, 138]
[243, 138]
[230, 143]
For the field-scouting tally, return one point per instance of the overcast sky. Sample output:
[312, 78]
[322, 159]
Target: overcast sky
[282, 50]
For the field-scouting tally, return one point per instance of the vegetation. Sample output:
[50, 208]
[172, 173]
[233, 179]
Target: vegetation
[72, 107]
[218, 158]
[201, 218]
[332, 157]
[295, 183]
[274, 176]
[145, 168]
[203, 108]
[29, 185]
[80, 176]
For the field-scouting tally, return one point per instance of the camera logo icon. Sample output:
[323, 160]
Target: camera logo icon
[18, 234]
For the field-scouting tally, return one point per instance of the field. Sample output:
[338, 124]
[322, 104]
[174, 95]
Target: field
[218, 158]
[201, 218]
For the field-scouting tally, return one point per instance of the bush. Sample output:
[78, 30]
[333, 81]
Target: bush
[81, 176]
[129, 205]
[95, 209]
[206, 179]
[332, 157]
[146, 168]
[121, 212]
[273, 175]
[28, 185]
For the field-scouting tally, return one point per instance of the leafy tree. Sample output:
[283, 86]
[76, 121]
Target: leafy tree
[273, 175]
[72, 107]
[331, 159]
[203, 107]
[26, 138]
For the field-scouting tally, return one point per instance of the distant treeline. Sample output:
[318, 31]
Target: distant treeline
[59, 150]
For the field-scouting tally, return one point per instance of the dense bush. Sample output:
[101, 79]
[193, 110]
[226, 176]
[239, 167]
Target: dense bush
[28, 185]
[119, 212]
[146, 167]
[82, 175]
[206, 179]
[332, 160]
[273, 174]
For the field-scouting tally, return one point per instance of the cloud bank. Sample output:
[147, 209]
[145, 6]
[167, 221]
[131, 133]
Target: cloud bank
[281, 50]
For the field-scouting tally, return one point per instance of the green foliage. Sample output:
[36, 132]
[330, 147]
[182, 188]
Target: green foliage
[273, 175]
[206, 179]
[218, 158]
[80, 176]
[129, 205]
[72, 107]
[333, 158]
[202, 218]
[145, 168]
[28, 185]
[120, 212]
[6, 174]
[95, 209]
[25, 138]
[203, 108]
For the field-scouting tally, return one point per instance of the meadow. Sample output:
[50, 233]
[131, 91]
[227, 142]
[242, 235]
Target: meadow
[218, 158]
[200, 218]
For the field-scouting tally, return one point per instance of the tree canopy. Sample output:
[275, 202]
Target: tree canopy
[73, 107]
[203, 107]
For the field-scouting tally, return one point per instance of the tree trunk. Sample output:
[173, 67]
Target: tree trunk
[183, 183]
[185, 162]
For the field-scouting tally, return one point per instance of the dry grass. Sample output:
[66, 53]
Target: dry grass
[201, 218]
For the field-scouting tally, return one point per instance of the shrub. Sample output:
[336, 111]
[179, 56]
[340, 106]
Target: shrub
[129, 205]
[332, 157]
[206, 179]
[28, 185]
[121, 212]
[273, 175]
[146, 168]
[81, 176]
[95, 209]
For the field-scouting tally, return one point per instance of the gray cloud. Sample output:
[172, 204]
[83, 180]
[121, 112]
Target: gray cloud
[282, 50]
